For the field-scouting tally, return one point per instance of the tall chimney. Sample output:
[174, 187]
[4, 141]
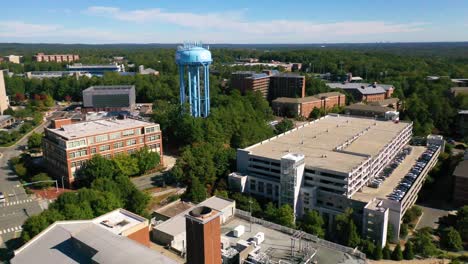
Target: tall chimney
[203, 231]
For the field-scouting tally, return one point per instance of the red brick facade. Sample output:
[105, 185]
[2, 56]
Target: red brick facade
[304, 106]
[64, 162]
[373, 97]
[41, 57]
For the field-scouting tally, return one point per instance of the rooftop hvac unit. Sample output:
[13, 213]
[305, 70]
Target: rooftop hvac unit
[259, 238]
[239, 231]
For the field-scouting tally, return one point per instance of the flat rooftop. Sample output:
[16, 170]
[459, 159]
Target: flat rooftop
[109, 88]
[118, 221]
[277, 245]
[89, 128]
[317, 140]
[392, 181]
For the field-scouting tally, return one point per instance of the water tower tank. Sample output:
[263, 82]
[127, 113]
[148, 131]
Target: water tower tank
[194, 63]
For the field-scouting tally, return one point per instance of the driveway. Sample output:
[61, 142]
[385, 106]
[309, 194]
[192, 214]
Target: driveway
[430, 217]
[19, 205]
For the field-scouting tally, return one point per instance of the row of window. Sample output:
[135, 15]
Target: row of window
[262, 186]
[78, 153]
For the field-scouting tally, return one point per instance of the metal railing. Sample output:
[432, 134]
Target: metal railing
[290, 231]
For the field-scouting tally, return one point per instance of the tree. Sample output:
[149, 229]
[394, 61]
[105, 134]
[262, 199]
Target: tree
[397, 254]
[246, 203]
[313, 223]
[285, 216]
[378, 255]
[20, 170]
[42, 177]
[284, 125]
[368, 247]
[127, 164]
[315, 114]
[35, 141]
[462, 222]
[403, 230]
[450, 239]
[408, 253]
[423, 244]
[196, 191]
[146, 159]
[270, 212]
[390, 229]
[345, 230]
[96, 167]
[386, 252]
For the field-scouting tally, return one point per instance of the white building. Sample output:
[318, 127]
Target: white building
[322, 165]
[4, 102]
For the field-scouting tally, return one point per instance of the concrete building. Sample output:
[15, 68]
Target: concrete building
[96, 70]
[250, 81]
[6, 120]
[203, 235]
[325, 165]
[304, 106]
[116, 237]
[41, 57]
[109, 98]
[286, 85]
[13, 58]
[460, 190]
[463, 122]
[147, 71]
[4, 101]
[374, 111]
[459, 90]
[173, 233]
[364, 91]
[68, 146]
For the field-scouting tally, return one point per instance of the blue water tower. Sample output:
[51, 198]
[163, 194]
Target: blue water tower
[196, 60]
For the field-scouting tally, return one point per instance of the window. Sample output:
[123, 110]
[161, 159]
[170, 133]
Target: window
[276, 190]
[115, 135]
[93, 150]
[90, 140]
[78, 153]
[269, 189]
[131, 151]
[107, 156]
[128, 132]
[104, 147]
[152, 138]
[150, 130]
[252, 185]
[140, 140]
[261, 187]
[118, 144]
[101, 138]
[138, 131]
[76, 143]
[131, 142]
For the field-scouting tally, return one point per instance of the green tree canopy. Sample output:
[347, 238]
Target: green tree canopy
[397, 254]
[313, 223]
[35, 141]
[450, 239]
[408, 253]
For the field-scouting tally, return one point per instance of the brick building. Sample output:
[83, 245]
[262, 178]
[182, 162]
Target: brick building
[250, 81]
[270, 83]
[41, 57]
[460, 175]
[68, 146]
[304, 106]
[286, 85]
[365, 92]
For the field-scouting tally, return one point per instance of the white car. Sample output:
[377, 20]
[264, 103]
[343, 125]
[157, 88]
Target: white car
[2, 198]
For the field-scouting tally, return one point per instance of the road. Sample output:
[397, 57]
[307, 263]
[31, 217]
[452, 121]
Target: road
[19, 205]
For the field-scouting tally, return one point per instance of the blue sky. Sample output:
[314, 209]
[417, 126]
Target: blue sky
[228, 21]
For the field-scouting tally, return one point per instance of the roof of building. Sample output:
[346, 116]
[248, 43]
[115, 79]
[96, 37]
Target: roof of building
[95, 127]
[318, 140]
[462, 169]
[256, 76]
[5, 117]
[176, 224]
[363, 88]
[89, 241]
[109, 88]
[306, 99]
[385, 102]
[369, 108]
[97, 66]
[288, 75]
[459, 90]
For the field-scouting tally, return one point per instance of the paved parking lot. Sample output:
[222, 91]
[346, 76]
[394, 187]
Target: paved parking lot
[430, 217]
[392, 181]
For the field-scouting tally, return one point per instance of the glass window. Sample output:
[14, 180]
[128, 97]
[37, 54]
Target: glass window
[118, 144]
[115, 135]
[104, 147]
[252, 185]
[101, 138]
[128, 132]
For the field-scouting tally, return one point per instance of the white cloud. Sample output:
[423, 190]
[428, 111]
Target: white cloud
[236, 22]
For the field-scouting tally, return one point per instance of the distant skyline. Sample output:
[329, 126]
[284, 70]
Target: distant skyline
[236, 22]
